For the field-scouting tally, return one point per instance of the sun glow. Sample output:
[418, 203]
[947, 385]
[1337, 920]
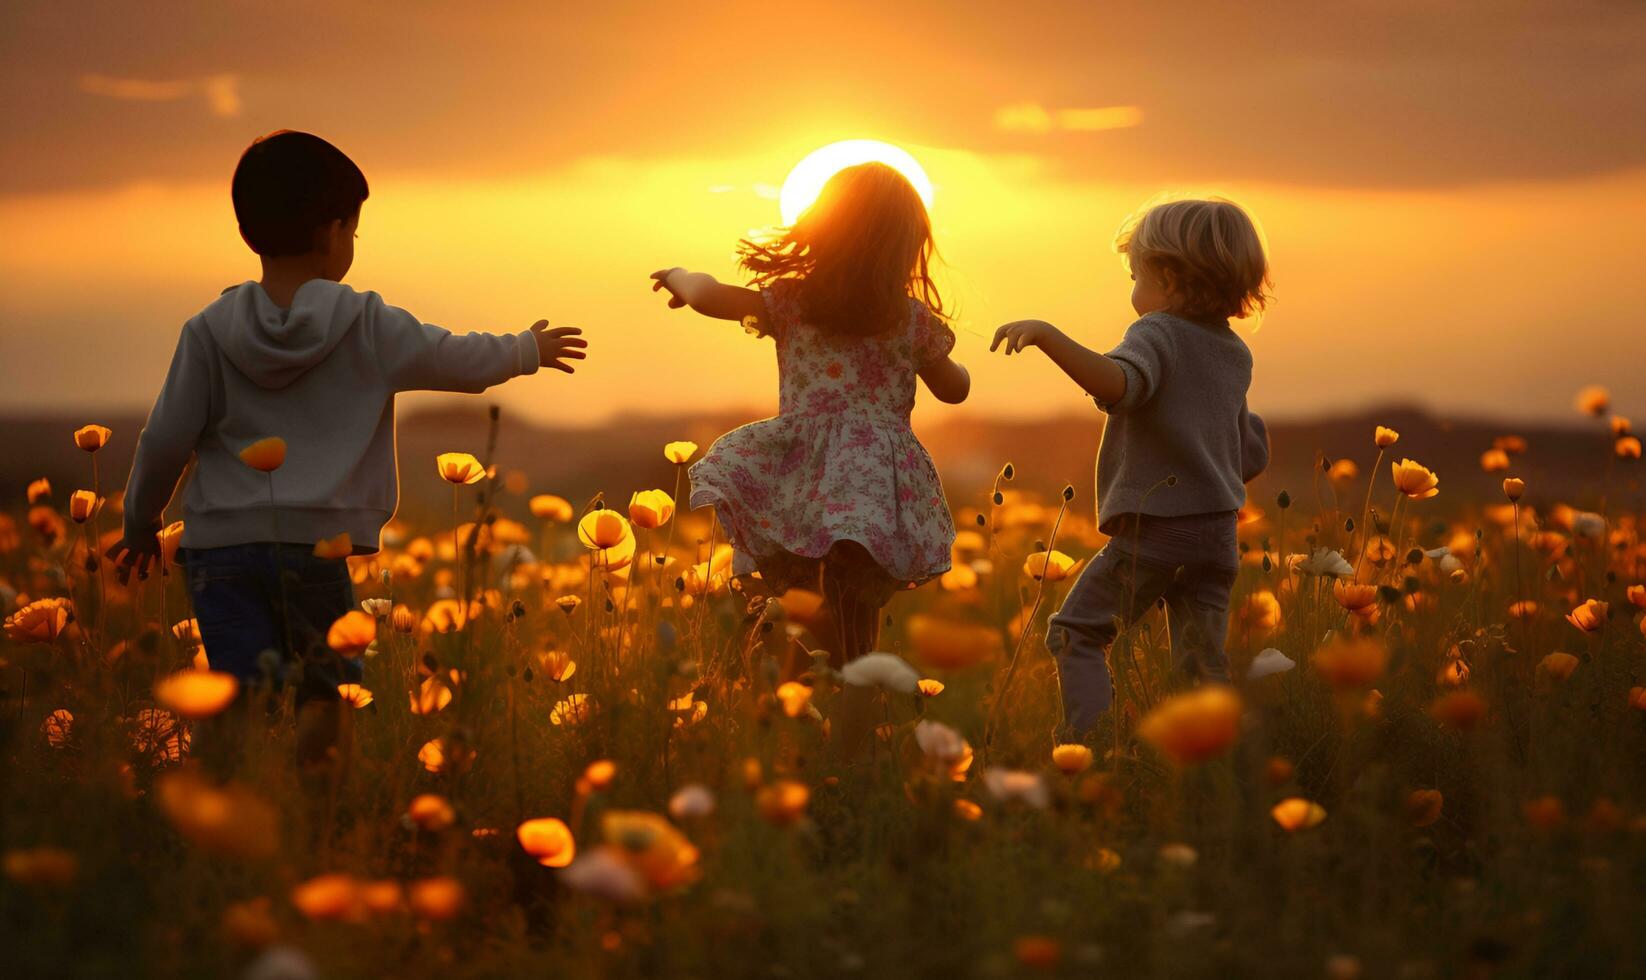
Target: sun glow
[807, 178]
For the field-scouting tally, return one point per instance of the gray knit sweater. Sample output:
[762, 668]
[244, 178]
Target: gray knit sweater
[1183, 415]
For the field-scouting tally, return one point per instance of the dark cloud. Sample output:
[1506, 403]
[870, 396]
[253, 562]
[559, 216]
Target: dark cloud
[1393, 93]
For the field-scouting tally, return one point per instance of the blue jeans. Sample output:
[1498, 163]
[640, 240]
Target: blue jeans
[238, 602]
[1190, 562]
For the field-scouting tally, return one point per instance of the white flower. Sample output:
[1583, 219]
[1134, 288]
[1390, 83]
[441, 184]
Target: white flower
[376, 607]
[882, 670]
[1325, 561]
[1270, 661]
[690, 801]
[603, 874]
[1006, 785]
[983, 567]
[281, 963]
[1437, 553]
[1449, 563]
[939, 742]
[1586, 524]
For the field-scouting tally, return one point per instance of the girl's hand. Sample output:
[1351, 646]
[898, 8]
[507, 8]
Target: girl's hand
[1022, 333]
[661, 281]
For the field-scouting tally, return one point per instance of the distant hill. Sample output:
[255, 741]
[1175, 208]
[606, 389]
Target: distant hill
[1566, 461]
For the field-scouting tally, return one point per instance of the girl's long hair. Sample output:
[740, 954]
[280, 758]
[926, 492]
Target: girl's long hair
[858, 253]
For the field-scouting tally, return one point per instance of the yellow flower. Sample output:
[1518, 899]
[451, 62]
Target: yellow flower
[1628, 447]
[557, 664]
[1462, 710]
[1345, 662]
[951, 645]
[329, 898]
[196, 694]
[266, 455]
[929, 687]
[1558, 665]
[679, 452]
[573, 709]
[651, 846]
[39, 490]
[436, 899]
[83, 504]
[438, 755]
[1354, 596]
[91, 438]
[1513, 488]
[548, 840]
[548, 507]
[227, 820]
[1385, 437]
[459, 468]
[1415, 480]
[1590, 616]
[600, 530]
[651, 508]
[354, 695]
[1053, 566]
[430, 697]
[1194, 726]
[783, 803]
[1494, 461]
[338, 546]
[1295, 813]
[1071, 758]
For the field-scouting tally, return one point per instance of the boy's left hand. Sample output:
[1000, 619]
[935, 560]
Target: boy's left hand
[127, 554]
[1020, 334]
[556, 346]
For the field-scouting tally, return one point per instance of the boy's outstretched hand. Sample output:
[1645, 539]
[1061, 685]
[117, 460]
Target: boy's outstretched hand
[1020, 334]
[140, 554]
[557, 345]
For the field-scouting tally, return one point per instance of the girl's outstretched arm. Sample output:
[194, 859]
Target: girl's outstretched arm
[707, 295]
[1101, 377]
[948, 380]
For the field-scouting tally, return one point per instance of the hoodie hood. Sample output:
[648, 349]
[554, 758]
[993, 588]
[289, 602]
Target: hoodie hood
[274, 347]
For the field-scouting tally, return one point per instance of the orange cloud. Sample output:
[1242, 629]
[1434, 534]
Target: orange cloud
[220, 92]
[1032, 117]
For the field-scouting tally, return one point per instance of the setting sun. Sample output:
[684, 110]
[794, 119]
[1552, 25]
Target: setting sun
[807, 178]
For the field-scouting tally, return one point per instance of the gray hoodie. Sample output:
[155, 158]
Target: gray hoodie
[322, 376]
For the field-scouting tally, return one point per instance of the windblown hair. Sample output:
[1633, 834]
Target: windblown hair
[858, 253]
[1211, 250]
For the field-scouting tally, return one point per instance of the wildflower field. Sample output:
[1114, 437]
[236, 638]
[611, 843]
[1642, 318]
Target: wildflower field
[583, 747]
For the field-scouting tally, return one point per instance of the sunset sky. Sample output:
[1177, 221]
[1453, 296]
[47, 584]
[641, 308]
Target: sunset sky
[1455, 194]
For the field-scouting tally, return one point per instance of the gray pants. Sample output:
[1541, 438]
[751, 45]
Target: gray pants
[1190, 562]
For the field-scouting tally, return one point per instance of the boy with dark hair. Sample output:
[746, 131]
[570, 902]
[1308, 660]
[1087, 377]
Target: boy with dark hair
[298, 355]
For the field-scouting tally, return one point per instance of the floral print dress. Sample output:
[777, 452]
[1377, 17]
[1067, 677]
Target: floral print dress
[839, 462]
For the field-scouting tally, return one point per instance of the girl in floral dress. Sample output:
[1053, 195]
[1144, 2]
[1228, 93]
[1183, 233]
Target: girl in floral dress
[835, 494]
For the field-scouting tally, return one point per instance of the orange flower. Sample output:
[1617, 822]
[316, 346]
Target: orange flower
[1627, 447]
[1514, 488]
[599, 774]
[1295, 813]
[448, 616]
[1345, 662]
[948, 644]
[1194, 726]
[1558, 665]
[1343, 471]
[1462, 710]
[329, 898]
[352, 633]
[170, 537]
[1636, 595]
[91, 438]
[83, 504]
[1052, 566]
[650, 508]
[651, 846]
[383, 897]
[42, 867]
[266, 455]
[431, 812]
[1637, 698]
[196, 694]
[794, 697]
[602, 529]
[1593, 401]
[354, 695]
[251, 924]
[572, 710]
[1356, 597]
[41, 621]
[548, 840]
[548, 507]
[1415, 480]
[230, 820]
[1523, 608]
[783, 803]
[431, 697]
[928, 687]
[679, 452]
[338, 546]
[459, 468]
[1544, 812]
[1071, 758]
[157, 734]
[1590, 616]
[1385, 437]
[1494, 461]
[1260, 612]
[967, 810]
[438, 755]
[1041, 953]
[57, 727]
[1423, 806]
[39, 490]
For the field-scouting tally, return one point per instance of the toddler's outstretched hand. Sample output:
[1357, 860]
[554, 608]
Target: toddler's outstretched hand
[1020, 334]
[660, 280]
[557, 345]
